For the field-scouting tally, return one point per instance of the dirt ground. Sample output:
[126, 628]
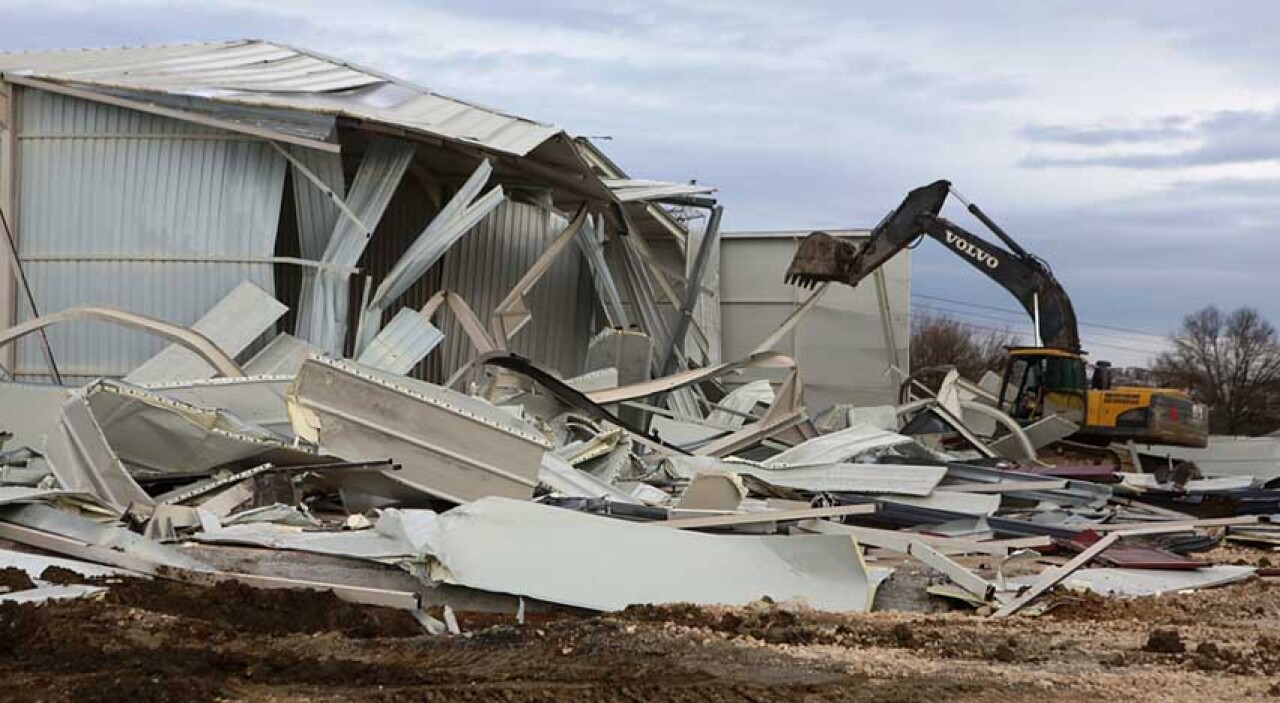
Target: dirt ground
[155, 641]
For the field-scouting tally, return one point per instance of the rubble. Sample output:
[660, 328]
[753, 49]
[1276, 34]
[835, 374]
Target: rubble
[482, 490]
[428, 463]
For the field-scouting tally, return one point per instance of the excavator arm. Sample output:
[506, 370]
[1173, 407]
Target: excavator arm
[822, 257]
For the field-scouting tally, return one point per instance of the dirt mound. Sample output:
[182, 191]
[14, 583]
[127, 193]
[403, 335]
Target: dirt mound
[12, 579]
[952, 636]
[158, 641]
[61, 576]
[100, 651]
[262, 610]
[1253, 600]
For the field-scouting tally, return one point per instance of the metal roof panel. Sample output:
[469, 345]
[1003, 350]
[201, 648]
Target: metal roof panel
[262, 73]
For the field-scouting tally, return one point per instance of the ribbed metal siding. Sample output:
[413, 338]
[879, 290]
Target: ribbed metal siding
[103, 181]
[402, 343]
[482, 267]
[488, 261]
[408, 213]
[232, 66]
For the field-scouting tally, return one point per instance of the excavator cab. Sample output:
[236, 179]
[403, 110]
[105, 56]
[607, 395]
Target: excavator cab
[1041, 381]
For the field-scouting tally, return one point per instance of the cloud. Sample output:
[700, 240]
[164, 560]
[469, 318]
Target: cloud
[1158, 130]
[819, 115]
[1222, 138]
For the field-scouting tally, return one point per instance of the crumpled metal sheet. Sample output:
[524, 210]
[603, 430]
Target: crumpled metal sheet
[892, 479]
[566, 480]
[455, 219]
[154, 435]
[232, 324]
[35, 564]
[322, 305]
[282, 356]
[398, 347]
[259, 400]
[398, 535]
[81, 458]
[111, 537]
[741, 401]
[44, 594]
[601, 563]
[70, 500]
[845, 446]
[1151, 582]
[450, 446]
[978, 504]
[30, 412]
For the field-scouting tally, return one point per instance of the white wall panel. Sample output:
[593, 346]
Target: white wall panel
[840, 345]
[105, 193]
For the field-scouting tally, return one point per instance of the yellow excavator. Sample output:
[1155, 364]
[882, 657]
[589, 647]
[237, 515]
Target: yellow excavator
[1039, 380]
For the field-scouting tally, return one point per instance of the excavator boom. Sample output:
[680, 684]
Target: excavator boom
[822, 257]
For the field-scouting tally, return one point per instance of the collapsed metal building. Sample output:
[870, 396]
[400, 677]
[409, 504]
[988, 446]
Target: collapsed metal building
[156, 180]
[315, 233]
[159, 180]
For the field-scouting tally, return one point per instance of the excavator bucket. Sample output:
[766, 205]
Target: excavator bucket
[821, 258]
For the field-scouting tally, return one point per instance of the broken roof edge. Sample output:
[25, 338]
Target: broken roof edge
[95, 92]
[179, 45]
[247, 99]
[613, 174]
[318, 55]
[594, 159]
[541, 150]
[401, 81]
[320, 101]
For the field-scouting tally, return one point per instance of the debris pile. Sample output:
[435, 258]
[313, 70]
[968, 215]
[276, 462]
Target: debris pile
[531, 493]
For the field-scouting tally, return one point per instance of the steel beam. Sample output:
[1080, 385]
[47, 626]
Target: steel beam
[692, 288]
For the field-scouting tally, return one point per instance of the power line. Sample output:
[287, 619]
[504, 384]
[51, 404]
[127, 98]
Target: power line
[1019, 323]
[998, 319]
[989, 328]
[1092, 343]
[980, 306]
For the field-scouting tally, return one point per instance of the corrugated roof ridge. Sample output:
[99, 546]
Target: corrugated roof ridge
[407, 83]
[83, 67]
[321, 56]
[224, 44]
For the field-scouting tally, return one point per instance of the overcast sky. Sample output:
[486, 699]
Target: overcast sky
[1133, 145]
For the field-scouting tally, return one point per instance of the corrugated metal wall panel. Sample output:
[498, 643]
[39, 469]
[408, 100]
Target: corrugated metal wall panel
[482, 267]
[406, 216]
[324, 312]
[704, 335]
[99, 181]
[488, 261]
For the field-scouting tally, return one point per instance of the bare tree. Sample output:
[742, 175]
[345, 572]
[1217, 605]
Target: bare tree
[938, 340]
[1229, 362]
